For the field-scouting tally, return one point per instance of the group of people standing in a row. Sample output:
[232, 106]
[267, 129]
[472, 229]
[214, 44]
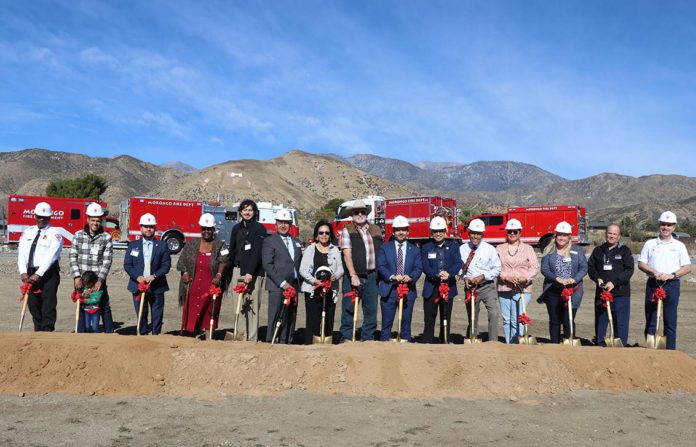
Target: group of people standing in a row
[373, 270]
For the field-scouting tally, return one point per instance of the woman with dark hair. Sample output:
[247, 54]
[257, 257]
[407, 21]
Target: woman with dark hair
[320, 258]
[202, 264]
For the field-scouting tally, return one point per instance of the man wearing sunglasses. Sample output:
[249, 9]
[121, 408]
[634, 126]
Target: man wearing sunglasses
[360, 242]
[38, 255]
[665, 260]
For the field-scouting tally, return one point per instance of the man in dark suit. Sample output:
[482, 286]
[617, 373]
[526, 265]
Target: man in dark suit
[148, 261]
[398, 262]
[281, 256]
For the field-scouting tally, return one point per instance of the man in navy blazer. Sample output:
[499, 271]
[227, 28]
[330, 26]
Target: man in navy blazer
[441, 263]
[398, 262]
[147, 260]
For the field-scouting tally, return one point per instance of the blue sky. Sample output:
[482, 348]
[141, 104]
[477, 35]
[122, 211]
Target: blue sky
[577, 88]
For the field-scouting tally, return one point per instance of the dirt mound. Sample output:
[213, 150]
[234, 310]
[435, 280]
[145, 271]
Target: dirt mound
[115, 365]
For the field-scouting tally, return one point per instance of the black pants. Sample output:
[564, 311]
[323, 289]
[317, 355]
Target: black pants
[105, 307]
[43, 306]
[430, 311]
[313, 305]
[558, 315]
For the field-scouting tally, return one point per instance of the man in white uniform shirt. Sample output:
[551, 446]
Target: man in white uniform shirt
[39, 252]
[665, 260]
[481, 268]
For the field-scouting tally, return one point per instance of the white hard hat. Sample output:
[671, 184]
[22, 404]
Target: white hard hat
[148, 219]
[95, 210]
[326, 275]
[438, 223]
[563, 227]
[513, 224]
[668, 217]
[207, 220]
[43, 209]
[477, 225]
[284, 214]
[400, 222]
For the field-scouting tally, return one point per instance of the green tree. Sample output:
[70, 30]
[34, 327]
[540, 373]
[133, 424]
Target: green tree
[328, 211]
[90, 186]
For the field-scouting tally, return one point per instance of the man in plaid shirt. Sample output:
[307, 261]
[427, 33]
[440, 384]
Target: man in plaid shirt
[92, 249]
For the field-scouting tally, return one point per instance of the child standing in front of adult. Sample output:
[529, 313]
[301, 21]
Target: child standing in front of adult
[91, 299]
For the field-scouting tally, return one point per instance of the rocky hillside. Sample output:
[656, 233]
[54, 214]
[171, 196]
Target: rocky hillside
[306, 181]
[30, 171]
[480, 176]
[180, 166]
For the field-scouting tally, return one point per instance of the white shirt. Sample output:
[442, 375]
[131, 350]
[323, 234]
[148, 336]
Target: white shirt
[47, 250]
[485, 261]
[664, 256]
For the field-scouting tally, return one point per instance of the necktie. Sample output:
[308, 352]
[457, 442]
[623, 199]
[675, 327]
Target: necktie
[468, 261]
[400, 260]
[147, 257]
[30, 264]
[288, 243]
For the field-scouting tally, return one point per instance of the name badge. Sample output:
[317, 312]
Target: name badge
[297, 244]
[573, 252]
[134, 253]
[607, 266]
[94, 250]
[224, 252]
[247, 247]
[566, 259]
[617, 257]
[432, 255]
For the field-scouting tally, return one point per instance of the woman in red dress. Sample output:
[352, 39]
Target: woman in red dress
[202, 265]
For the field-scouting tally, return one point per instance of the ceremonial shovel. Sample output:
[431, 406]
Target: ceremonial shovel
[323, 339]
[184, 311]
[140, 313]
[24, 307]
[657, 341]
[401, 294]
[570, 340]
[473, 329]
[526, 339]
[77, 313]
[212, 318]
[611, 341]
[355, 311]
[239, 336]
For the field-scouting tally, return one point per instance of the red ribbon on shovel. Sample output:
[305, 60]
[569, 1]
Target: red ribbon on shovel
[607, 298]
[524, 319]
[353, 295]
[402, 292]
[566, 295]
[290, 296]
[443, 293]
[658, 295]
[142, 287]
[471, 293]
[76, 296]
[325, 286]
[241, 288]
[26, 288]
[214, 290]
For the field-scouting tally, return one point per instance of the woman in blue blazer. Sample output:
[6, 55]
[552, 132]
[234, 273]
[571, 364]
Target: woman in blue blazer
[563, 266]
[441, 262]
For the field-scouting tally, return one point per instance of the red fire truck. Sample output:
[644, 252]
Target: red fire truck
[418, 210]
[177, 220]
[538, 224]
[68, 215]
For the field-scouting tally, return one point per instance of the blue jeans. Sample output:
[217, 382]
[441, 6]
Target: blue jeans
[91, 321]
[669, 310]
[368, 299]
[511, 308]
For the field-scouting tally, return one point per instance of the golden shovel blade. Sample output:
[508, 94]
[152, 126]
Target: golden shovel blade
[571, 342]
[613, 343]
[528, 340]
[656, 341]
[328, 340]
[468, 341]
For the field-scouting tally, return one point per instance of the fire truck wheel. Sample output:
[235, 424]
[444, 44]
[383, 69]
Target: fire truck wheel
[174, 242]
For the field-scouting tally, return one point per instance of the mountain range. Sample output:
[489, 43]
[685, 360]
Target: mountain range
[307, 181]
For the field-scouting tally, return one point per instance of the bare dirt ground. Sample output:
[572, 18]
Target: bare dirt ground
[65, 389]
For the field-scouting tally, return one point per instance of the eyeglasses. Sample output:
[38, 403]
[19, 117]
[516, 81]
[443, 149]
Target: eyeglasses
[323, 233]
[43, 217]
[513, 231]
[356, 212]
[149, 227]
[475, 233]
[207, 229]
[439, 231]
